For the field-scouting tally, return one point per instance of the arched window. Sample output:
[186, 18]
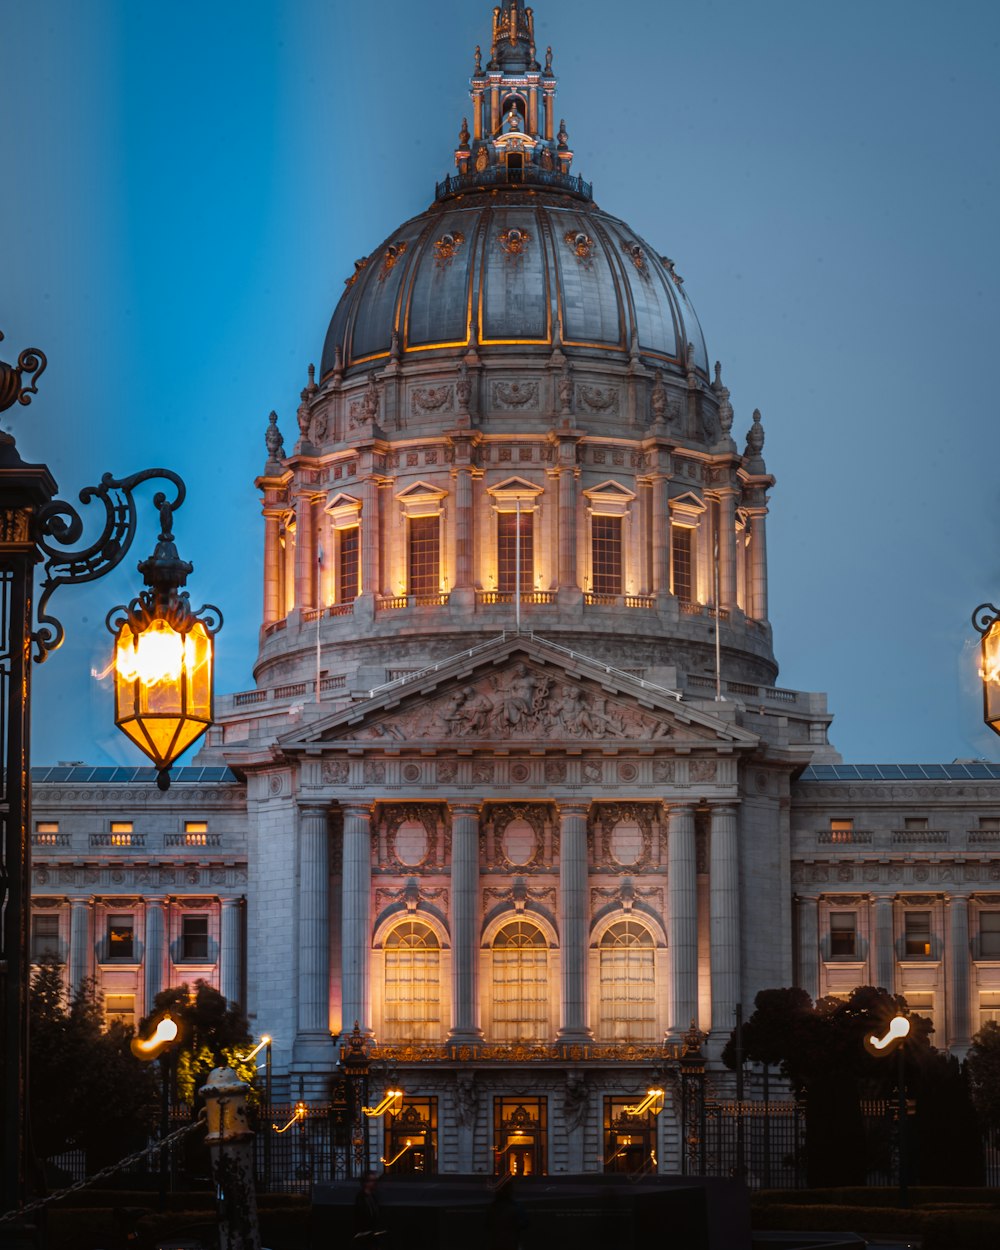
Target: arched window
[412, 1002]
[628, 987]
[520, 983]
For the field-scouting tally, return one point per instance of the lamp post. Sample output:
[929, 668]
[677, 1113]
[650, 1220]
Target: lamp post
[158, 1046]
[171, 703]
[264, 1045]
[986, 620]
[880, 1047]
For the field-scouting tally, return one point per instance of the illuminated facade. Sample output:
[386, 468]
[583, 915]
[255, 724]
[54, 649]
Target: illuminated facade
[484, 800]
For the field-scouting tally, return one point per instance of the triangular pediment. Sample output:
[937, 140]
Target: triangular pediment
[521, 690]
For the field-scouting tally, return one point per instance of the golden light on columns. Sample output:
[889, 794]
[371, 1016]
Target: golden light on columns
[164, 657]
[986, 620]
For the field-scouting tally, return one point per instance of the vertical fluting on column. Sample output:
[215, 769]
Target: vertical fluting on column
[153, 958]
[313, 925]
[884, 964]
[727, 549]
[724, 908]
[272, 569]
[81, 942]
[807, 944]
[231, 949]
[463, 527]
[567, 529]
[661, 535]
[573, 920]
[305, 554]
[758, 566]
[356, 930]
[370, 536]
[682, 919]
[958, 1019]
[465, 923]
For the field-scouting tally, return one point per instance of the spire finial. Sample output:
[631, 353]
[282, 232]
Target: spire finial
[513, 37]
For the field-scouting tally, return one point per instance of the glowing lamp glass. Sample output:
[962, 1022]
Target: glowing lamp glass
[163, 687]
[990, 674]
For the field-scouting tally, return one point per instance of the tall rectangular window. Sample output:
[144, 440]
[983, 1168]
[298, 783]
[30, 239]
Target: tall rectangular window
[121, 937]
[917, 934]
[606, 554]
[121, 833]
[119, 1009]
[507, 544]
[989, 1007]
[989, 935]
[349, 564]
[921, 1003]
[425, 556]
[44, 937]
[843, 934]
[683, 587]
[194, 937]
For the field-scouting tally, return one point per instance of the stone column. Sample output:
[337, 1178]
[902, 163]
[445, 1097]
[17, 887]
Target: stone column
[884, 963]
[313, 1041]
[465, 924]
[154, 956]
[574, 915]
[727, 549]
[370, 536]
[231, 951]
[807, 973]
[305, 554]
[758, 567]
[682, 920]
[959, 1024]
[661, 535]
[724, 909]
[463, 527]
[356, 930]
[567, 529]
[81, 941]
[272, 569]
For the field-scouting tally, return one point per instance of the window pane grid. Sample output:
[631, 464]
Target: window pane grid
[350, 564]
[628, 986]
[680, 537]
[425, 553]
[520, 983]
[412, 1003]
[606, 540]
[507, 551]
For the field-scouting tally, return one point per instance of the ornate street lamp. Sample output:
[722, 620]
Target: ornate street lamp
[164, 657]
[986, 620]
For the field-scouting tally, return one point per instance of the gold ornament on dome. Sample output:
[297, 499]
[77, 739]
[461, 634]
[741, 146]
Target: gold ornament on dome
[581, 243]
[393, 253]
[358, 266]
[514, 241]
[447, 246]
[635, 254]
[482, 160]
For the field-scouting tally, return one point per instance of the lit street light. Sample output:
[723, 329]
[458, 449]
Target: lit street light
[986, 620]
[162, 707]
[881, 1047]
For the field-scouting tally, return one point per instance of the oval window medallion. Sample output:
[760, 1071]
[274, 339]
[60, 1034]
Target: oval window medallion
[519, 843]
[626, 843]
[410, 843]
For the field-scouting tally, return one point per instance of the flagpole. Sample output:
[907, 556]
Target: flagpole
[319, 612]
[517, 568]
[718, 618]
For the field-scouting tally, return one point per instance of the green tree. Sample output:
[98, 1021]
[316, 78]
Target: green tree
[212, 1033]
[984, 1076]
[85, 1088]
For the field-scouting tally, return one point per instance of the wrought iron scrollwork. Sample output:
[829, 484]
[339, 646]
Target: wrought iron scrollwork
[32, 361]
[985, 617]
[58, 525]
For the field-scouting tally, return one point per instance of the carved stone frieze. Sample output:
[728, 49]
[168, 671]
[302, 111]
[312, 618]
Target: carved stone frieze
[434, 398]
[519, 895]
[412, 897]
[520, 703]
[410, 837]
[335, 772]
[623, 834]
[514, 396]
[664, 770]
[625, 895]
[598, 399]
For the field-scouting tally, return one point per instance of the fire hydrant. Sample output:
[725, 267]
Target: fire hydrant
[230, 1140]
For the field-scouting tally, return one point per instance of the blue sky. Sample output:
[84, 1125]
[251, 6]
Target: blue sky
[187, 186]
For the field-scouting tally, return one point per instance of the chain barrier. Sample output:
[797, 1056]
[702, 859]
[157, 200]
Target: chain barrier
[110, 1170]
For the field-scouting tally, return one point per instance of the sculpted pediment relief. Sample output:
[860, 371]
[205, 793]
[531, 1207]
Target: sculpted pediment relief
[524, 704]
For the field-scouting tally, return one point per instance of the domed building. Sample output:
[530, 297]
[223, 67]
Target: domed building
[515, 812]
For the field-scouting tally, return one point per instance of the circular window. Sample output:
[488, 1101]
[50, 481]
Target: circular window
[411, 843]
[519, 842]
[626, 844]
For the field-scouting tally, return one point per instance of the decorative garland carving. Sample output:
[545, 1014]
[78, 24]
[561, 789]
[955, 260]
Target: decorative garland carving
[433, 398]
[606, 817]
[446, 248]
[598, 400]
[514, 395]
[581, 244]
[514, 241]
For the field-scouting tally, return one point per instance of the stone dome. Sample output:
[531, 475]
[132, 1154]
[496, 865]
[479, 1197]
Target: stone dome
[515, 270]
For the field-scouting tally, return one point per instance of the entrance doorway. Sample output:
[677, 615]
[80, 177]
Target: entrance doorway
[519, 1136]
[411, 1139]
[629, 1140]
